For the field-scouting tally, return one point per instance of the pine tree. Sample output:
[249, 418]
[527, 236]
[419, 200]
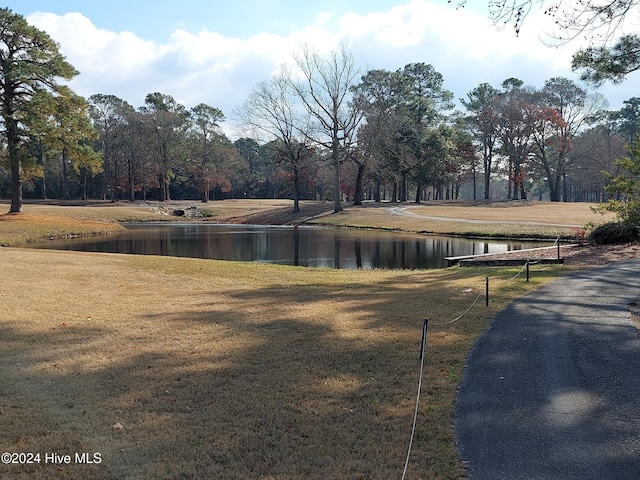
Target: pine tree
[30, 64]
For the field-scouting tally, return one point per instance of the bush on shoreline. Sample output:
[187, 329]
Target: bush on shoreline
[614, 232]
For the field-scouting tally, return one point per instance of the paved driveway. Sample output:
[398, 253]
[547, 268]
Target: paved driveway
[552, 389]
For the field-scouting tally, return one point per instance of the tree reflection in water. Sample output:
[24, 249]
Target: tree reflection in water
[306, 246]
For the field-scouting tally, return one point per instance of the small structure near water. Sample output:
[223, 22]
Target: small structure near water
[543, 255]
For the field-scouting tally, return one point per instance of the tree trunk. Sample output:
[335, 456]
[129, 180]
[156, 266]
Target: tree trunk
[511, 178]
[487, 173]
[145, 183]
[523, 192]
[66, 195]
[357, 196]
[475, 186]
[15, 165]
[487, 193]
[132, 183]
[165, 187]
[205, 191]
[403, 188]
[337, 194]
[162, 187]
[16, 186]
[44, 183]
[296, 191]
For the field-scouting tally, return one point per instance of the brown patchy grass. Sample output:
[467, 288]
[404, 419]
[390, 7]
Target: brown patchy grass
[553, 219]
[32, 227]
[42, 220]
[227, 370]
[502, 219]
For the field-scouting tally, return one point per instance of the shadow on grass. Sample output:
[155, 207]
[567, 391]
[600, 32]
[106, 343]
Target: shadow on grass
[281, 382]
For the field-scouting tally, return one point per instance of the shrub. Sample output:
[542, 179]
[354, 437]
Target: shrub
[614, 232]
[626, 187]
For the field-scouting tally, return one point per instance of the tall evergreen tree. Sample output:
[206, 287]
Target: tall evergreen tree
[206, 136]
[483, 119]
[30, 65]
[167, 121]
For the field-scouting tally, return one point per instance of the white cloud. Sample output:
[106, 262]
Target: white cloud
[95, 50]
[221, 71]
[194, 68]
[323, 19]
[464, 33]
[462, 44]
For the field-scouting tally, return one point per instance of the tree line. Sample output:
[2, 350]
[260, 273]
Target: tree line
[319, 129]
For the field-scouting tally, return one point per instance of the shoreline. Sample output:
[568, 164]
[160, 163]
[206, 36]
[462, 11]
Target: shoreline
[463, 219]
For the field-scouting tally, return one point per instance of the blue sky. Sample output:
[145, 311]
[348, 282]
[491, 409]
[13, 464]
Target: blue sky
[157, 19]
[215, 52]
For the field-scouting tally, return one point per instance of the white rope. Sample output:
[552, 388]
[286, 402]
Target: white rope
[458, 318]
[528, 263]
[521, 270]
[422, 355]
[415, 415]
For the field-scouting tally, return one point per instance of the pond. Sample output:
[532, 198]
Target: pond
[305, 246]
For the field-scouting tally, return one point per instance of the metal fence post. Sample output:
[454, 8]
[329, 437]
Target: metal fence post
[486, 295]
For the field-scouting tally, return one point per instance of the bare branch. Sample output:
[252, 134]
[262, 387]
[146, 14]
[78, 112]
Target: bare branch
[597, 20]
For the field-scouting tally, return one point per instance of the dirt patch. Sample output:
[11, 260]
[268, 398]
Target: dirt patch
[596, 255]
[581, 256]
[278, 215]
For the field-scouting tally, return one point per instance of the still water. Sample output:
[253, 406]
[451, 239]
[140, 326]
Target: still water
[306, 246]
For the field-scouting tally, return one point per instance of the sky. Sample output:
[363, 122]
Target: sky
[215, 52]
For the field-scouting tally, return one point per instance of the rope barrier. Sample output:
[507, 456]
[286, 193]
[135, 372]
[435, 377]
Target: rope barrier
[422, 357]
[423, 347]
[415, 414]
[460, 317]
[528, 263]
[518, 274]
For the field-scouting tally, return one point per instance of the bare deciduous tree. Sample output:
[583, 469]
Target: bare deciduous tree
[325, 91]
[608, 58]
[272, 114]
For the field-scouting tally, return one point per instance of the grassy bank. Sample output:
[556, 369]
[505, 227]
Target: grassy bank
[43, 220]
[228, 370]
[187, 368]
[33, 227]
[493, 219]
[498, 219]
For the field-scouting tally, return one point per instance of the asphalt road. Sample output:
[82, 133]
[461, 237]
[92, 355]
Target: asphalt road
[552, 389]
